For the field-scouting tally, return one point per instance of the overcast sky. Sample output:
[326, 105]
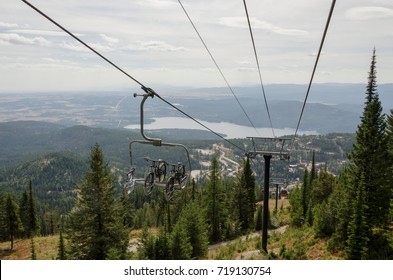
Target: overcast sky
[154, 42]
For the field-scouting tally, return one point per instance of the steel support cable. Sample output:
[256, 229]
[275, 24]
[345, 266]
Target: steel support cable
[314, 70]
[217, 66]
[259, 68]
[146, 89]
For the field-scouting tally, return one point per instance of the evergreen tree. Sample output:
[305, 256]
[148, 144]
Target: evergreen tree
[24, 213]
[297, 215]
[96, 223]
[181, 248]
[250, 187]
[2, 217]
[358, 229]
[215, 210]
[32, 245]
[369, 154]
[33, 220]
[240, 203]
[127, 209]
[146, 251]
[61, 251]
[13, 224]
[322, 188]
[193, 222]
[340, 204]
[389, 134]
[313, 172]
[305, 192]
[162, 245]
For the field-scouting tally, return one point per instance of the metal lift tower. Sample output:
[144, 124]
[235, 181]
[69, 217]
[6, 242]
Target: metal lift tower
[268, 148]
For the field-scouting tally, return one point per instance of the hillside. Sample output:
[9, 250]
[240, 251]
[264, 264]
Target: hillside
[330, 107]
[53, 177]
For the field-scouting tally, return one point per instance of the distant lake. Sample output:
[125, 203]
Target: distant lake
[229, 129]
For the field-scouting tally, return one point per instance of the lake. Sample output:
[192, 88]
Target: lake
[229, 129]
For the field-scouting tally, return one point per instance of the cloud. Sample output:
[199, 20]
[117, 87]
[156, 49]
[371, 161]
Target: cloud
[367, 13]
[155, 46]
[7, 25]
[40, 32]
[109, 40]
[80, 48]
[247, 69]
[240, 22]
[156, 3]
[16, 39]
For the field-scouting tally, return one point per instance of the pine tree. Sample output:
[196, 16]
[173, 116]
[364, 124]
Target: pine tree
[61, 251]
[240, 205]
[96, 223]
[389, 134]
[193, 223]
[305, 193]
[215, 211]
[181, 248]
[297, 215]
[32, 246]
[146, 251]
[2, 217]
[162, 245]
[127, 209]
[13, 224]
[33, 220]
[250, 186]
[313, 172]
[24, 213]
[369, 154]
[358, 229]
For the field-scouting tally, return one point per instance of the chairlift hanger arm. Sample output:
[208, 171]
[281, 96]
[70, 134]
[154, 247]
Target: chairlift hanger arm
[149, 93]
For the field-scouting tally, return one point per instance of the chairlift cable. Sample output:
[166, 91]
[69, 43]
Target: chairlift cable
[314, 70]
[259, 68]
[147, 90]
[217, 66]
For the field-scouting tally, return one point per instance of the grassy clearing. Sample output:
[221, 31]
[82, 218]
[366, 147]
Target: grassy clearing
[45, 249]
[283, 243]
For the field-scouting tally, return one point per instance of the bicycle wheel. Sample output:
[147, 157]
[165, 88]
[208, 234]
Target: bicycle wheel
[169, 188]
[149, 183]
[161, 172]
[183, 182]
[183, 177]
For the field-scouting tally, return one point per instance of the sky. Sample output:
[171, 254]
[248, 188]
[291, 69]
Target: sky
[154, 42]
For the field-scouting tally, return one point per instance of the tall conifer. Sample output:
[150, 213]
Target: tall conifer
[96, 229]
[369, 155]
[33, 220]
[13, 224]
[215, 212]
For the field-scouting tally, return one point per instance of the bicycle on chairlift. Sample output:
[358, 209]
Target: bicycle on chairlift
[177, 179]
[157, 172]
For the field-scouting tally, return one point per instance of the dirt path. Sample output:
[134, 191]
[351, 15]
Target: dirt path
[133, 244]
[245, 237]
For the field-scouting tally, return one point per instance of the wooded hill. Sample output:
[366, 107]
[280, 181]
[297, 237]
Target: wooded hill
[55, 158]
